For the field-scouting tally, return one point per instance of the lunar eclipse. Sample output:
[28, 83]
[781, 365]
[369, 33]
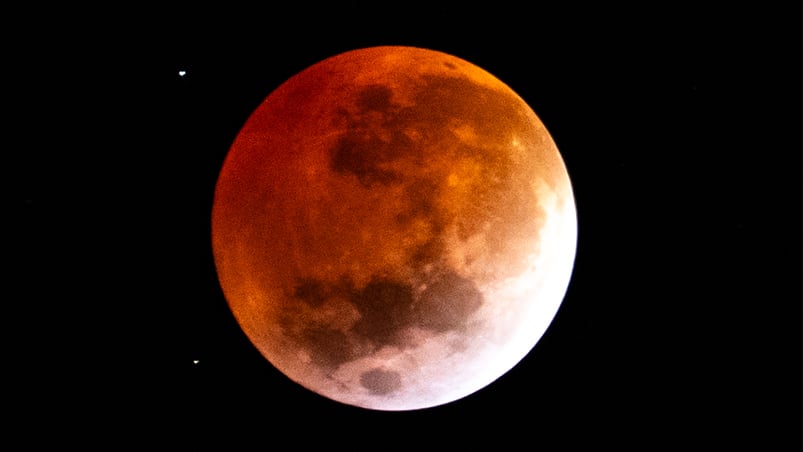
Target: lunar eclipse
[394, 228]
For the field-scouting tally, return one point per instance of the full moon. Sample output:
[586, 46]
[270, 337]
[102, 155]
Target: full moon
[394, 228]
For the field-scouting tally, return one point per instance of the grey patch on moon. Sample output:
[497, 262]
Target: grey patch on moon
[386, 309]
[372, 140]
[375, 98]
[328, 348]
[381, 382]
[447, 303]
[362, 156]
[310, 291]
[377, 132]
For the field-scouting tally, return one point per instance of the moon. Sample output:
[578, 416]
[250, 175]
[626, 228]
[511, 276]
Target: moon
[394, 228]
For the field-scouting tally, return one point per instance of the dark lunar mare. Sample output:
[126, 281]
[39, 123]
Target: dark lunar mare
[381, 382]
[386, 309]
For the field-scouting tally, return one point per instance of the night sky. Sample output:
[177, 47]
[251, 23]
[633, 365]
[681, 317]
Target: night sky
[680, 129]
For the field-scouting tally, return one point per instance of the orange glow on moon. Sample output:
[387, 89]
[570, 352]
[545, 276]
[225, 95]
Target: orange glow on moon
[394, 228]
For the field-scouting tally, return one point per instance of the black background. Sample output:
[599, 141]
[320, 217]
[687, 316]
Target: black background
[680, 129]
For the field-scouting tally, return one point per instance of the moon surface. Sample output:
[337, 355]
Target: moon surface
[394, 228]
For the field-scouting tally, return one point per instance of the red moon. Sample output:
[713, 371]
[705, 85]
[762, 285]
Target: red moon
[394, 228]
